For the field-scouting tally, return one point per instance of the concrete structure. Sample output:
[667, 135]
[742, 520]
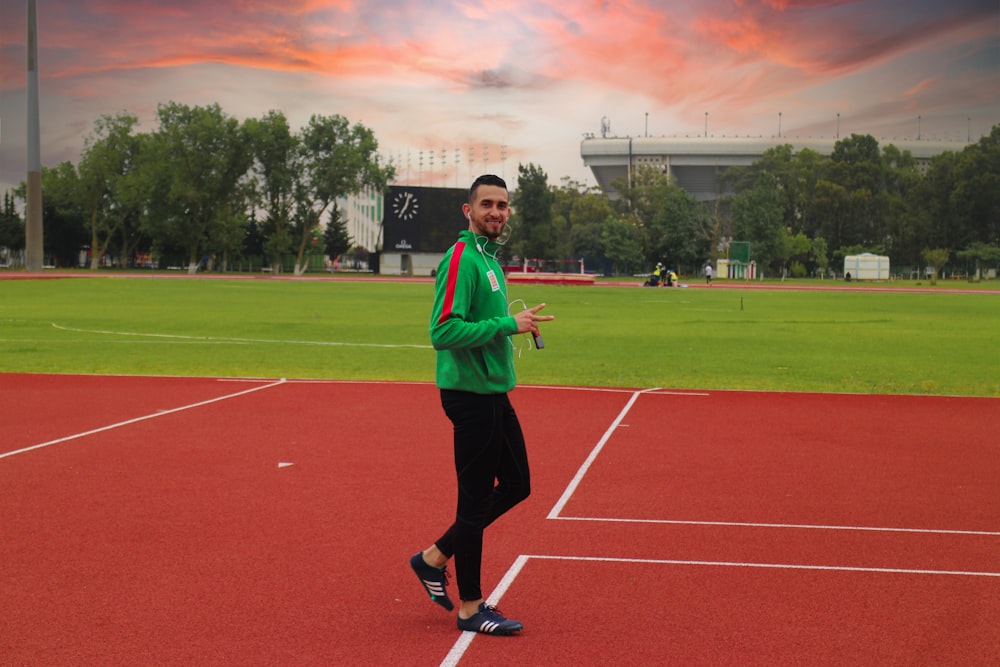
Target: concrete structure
[697, 162]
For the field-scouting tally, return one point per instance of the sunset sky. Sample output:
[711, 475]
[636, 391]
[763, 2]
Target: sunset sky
[496, 83]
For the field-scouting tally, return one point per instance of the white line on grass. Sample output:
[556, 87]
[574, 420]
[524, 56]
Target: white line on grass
[215, 339]
[154, 415]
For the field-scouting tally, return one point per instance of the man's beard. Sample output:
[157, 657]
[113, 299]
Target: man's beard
[504, 234]
[501, 237]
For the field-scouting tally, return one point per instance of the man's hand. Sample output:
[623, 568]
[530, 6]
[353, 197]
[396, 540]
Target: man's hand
[528, 319]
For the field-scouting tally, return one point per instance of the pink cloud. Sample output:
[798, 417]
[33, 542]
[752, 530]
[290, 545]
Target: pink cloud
[514, 68]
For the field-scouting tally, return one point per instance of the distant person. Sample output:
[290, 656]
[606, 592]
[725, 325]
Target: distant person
[708, 273]
[471, 328]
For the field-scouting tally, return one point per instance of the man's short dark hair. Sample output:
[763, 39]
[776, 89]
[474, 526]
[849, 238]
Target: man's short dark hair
[485, 179]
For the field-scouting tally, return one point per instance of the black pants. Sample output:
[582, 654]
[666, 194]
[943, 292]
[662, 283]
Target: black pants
[491, 463]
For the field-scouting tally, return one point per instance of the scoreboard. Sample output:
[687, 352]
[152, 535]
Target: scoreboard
[422, 220]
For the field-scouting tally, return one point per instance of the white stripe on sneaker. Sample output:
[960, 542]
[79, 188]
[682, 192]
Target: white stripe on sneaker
[434, 587]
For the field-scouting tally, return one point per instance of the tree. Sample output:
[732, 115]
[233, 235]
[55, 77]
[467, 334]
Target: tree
[901, 177]
[336, 159]
[641, 205]
[108, 161]
[198, 159]
[622, 242]
[936, 258]
[982, 254]
[276, 161]
[586, 217]
[63, 217]
[11, 224]
[796, 175]
[336, 240]
[680, 231]
[584, 210]
[532, 204]
[799, 247]
[758, 218]
[932, 215]
[856, 167]
[976, 193]
[643, 196]
[818, 254]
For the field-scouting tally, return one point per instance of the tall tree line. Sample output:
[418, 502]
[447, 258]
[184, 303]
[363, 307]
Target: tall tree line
[207, 189]
[801, 213]
[204, 188]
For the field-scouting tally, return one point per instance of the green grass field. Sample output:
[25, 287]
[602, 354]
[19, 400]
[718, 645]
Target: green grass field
[940, 343]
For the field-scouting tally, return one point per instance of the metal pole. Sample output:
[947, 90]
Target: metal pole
[630, 162]
[33, 226]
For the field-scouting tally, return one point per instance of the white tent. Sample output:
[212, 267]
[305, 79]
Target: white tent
[866, 267]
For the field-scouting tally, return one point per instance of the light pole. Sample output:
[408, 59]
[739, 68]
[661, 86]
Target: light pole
[706, 125]
[838, 125]
[34, 247]
[779, 124]
[647, 124]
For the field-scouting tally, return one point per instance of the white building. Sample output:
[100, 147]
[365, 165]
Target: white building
[362, 214]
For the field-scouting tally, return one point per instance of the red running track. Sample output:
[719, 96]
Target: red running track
[179, 521]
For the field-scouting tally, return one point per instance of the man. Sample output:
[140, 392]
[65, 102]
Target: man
[471, 328]
[708, 273]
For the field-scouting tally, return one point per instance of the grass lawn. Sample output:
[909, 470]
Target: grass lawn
[855, 340]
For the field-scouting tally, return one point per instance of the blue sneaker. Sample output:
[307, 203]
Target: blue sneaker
[489, 621]
[433, 579]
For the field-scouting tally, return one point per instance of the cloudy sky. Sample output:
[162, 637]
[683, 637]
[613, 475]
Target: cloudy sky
[455, 88]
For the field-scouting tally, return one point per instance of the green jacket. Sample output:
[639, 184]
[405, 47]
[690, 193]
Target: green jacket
[470, 325]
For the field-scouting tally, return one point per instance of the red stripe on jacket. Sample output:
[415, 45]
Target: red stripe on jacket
[449, 290]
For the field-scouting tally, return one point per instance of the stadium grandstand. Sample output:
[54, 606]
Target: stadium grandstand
[697, 162]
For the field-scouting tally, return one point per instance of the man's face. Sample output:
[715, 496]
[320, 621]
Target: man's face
[489, 212]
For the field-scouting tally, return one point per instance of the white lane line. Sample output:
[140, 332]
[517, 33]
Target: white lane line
[135, 420]
[773, 566]
[465, 639]
[800, 526]
[571, 489]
